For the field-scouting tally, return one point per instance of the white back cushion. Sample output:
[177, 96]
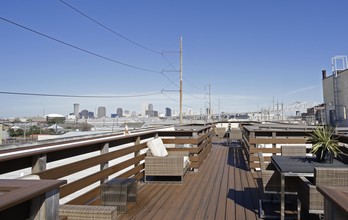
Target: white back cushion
[157, 147]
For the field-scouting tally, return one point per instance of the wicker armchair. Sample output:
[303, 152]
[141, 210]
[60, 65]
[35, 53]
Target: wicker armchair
[175, 164]
[271, 185]
[271, 179]
[312, 201]
[293, 150]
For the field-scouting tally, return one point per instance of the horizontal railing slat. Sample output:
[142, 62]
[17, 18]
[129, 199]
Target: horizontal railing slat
[90, 179]
[74, 167]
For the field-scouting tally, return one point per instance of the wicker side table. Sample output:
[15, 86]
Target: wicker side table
[117, 192]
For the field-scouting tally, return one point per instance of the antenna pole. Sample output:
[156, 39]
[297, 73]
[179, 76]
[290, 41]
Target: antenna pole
[180, 80]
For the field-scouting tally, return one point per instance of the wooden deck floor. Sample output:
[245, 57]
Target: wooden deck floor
[221, 189]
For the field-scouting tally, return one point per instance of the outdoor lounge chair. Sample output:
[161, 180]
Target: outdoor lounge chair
[313, 201]
[271, 185]
[161, 164]
[292, 150]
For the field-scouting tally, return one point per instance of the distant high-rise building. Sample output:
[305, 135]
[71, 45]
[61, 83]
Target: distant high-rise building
[84, 114]
[175, 113]
[150, 107]
[119, 112]
[90, 114]
[143, 109]
[126, 112]
[168, 112]
[150, 113]
[101, 111]
[76, 110]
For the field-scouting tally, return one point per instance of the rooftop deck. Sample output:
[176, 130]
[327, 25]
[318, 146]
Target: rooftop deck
[222, 189]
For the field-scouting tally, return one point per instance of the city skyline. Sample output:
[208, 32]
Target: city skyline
[251, 53]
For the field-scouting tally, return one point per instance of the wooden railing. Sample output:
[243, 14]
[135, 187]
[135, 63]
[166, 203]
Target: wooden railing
[255, 135]
[109, 156]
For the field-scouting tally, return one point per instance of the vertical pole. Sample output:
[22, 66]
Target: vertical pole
[209, 102]
[104, 149]
[219, 111]
[180, 80]
[0, 134]
[282, 196]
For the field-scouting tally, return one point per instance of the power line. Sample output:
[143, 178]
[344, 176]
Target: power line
[78, 48]
[172, 82]
[77, 96]
[109, 29]
[192, 85]
[170, 63]
[174, 99]
[122, 36]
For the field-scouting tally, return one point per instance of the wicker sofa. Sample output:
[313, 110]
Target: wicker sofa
[312, 201]
[175, 164]
[161, 164]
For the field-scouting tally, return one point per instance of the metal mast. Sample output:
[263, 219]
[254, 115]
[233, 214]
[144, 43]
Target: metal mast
[209, 102]
[180, 80]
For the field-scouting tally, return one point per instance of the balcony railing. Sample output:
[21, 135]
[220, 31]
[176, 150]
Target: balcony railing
[87, 163]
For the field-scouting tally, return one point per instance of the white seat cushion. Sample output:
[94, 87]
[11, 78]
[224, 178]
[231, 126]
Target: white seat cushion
[186, 161]
[157, 147]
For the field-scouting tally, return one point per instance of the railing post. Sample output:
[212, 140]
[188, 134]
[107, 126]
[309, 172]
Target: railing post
[103, 150]
[39, 163]
[195, 135]
[136, 153]
[274, 136]
[45, 206]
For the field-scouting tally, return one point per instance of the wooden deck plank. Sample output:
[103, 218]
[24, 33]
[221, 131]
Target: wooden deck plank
[239, 200]
[143, 197]
[178, 206]
[221, 189]
[221, 206]
[230, 203]
[212, 198]
[197, 197]
[250, 211]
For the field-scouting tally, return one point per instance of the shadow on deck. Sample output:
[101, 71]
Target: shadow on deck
[223, 188]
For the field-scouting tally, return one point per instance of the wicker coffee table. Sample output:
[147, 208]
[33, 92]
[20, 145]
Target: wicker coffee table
[117, 192]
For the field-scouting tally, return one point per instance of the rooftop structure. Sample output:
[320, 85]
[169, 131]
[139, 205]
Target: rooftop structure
[222, 183]
[335, 92]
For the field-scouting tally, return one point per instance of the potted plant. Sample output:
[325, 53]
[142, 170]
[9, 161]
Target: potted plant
[324, 144]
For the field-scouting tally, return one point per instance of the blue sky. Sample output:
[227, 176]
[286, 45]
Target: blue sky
[250, 52]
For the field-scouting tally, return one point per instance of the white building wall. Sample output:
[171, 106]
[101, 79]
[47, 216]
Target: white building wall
[329, 100]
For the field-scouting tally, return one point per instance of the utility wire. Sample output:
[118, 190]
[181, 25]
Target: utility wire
[77, 96]
[174, 99]
[78, 48]
[170, 64]
[109, 29]
[122, 36]
[192, 85]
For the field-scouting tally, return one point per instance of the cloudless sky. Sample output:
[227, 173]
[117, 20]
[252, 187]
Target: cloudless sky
[251, 52]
